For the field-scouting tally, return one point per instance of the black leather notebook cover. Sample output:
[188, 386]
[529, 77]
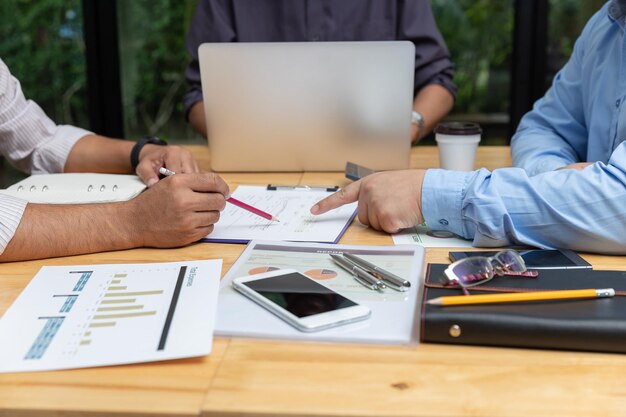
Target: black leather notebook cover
[597, 324]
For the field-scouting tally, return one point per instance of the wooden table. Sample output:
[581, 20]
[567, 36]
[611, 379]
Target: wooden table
[274, 378]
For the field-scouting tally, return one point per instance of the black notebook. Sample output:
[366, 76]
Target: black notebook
[597, 324]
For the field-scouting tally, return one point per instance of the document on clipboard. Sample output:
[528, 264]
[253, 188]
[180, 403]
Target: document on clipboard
[394, 314]
[292, 206]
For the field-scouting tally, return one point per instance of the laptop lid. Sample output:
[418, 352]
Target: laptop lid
[308, 106]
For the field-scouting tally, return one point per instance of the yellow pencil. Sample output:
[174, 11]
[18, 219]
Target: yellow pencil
[520, 296]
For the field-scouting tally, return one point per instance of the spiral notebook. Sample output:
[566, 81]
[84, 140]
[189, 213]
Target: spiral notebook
[76, 188]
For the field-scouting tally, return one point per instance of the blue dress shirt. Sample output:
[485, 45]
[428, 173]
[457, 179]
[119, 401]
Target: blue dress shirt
[581, 118]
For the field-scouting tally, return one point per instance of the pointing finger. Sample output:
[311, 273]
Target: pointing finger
[348, 194]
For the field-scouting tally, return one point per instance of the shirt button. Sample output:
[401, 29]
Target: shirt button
[315, 38]
[443, 222]
[617, 102]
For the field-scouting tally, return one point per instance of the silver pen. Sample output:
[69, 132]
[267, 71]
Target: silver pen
[360, 275]
[390, 279]
[329, 188]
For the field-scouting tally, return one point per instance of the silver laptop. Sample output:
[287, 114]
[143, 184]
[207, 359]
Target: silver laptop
[308, 106]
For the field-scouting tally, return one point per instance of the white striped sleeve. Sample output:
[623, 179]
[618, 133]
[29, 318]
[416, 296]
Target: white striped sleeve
[11, 211]
[28, 138]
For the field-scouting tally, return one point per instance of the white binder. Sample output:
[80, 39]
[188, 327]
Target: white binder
[76, 188]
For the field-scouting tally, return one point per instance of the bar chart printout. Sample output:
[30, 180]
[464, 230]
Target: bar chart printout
[95, 315]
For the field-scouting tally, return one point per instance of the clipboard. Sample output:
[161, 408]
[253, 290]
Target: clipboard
[292, 206]
[393, 320]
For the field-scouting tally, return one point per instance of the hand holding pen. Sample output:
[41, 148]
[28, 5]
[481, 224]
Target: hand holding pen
[151, 157]
[172, 213]
[234, 201]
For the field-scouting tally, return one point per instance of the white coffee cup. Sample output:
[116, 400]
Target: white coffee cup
[457, 143]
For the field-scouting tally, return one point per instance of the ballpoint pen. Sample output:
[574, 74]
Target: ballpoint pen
[240, 204]
[329, 188]
[360, 275]
[457, 300]
[390, 279]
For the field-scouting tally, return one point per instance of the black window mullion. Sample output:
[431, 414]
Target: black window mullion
[529, 61]
[103, 69]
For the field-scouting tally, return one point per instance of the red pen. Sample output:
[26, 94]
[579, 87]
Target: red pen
[240, 204]
[251, 209]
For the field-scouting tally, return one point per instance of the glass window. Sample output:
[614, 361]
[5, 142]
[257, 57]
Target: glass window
[479, 35]
[565, 23]
[41, 41]
[153, 59]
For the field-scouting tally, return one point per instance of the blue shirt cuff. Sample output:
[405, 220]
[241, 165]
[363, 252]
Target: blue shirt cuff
[442, 201]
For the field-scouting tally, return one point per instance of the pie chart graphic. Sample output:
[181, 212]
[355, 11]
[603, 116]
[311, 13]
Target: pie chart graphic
[262, 269]
[321, 274]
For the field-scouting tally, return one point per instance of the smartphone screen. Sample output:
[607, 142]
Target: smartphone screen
[537, 258]
[299, 295]
[356, 172]
[546, 257]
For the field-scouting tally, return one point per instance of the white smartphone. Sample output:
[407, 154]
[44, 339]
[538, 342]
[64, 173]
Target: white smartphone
[299, 300]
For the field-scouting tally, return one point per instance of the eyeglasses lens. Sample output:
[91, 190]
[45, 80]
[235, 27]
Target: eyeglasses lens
[510, 261]
[473, 271]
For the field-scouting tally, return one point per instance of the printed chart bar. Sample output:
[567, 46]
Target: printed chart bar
[119, 301]
[103, 324]
[119, 308]
[68, 304]
[123, 315]
[84, 277]
[45, 337]
[132, 294]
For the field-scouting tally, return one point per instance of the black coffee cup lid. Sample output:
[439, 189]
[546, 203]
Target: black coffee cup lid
[458, 128]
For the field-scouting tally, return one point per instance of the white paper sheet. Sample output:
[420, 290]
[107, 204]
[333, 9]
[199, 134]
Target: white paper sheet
[394, 318]
[95, 315]
[423, 236]
[292, 207]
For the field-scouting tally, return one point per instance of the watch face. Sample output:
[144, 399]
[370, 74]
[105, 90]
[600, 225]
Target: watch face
[155, 140]
[416, 118]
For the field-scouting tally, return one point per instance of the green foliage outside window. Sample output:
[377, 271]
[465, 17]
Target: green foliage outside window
[479, 36]
[41, 41]
[153, 59]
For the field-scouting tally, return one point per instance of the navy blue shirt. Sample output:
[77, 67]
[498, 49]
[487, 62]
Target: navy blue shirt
[321, 20]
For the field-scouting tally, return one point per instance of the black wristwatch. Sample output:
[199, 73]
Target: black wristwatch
[134, 154]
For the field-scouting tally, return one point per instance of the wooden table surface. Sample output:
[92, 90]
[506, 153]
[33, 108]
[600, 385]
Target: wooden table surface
[246, 377]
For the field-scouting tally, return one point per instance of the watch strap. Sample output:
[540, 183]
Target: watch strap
[418, 119]
[134, 153]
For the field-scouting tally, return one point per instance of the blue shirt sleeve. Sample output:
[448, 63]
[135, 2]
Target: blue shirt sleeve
[571, 209]
[554, 133]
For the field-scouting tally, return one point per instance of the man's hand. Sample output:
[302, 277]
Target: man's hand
[153, 157]
[178, 210]
[578, 165]
[388, 201]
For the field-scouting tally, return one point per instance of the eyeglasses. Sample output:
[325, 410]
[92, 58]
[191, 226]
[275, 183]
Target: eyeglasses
[476, 270]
